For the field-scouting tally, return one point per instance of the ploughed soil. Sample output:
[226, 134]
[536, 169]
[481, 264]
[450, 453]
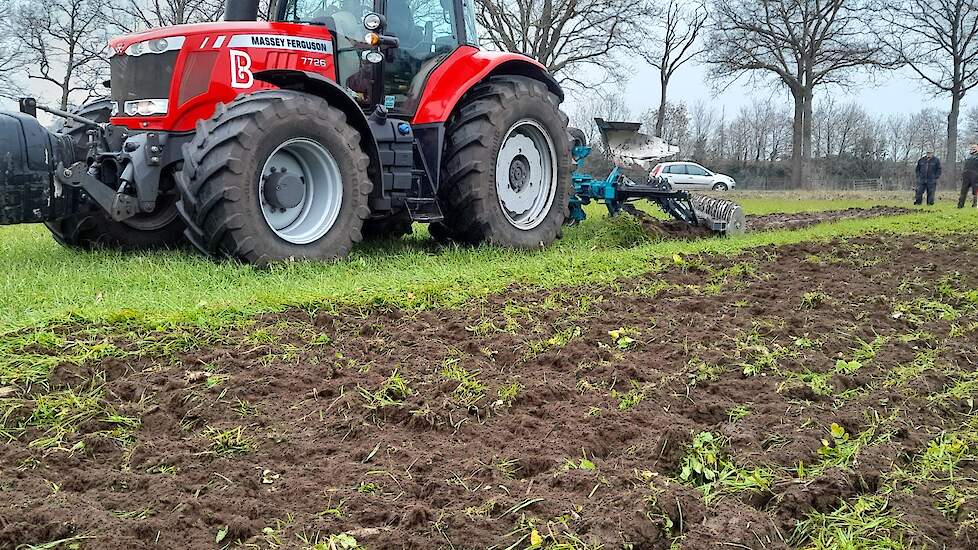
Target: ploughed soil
[674, 229]
[563, 414]
[805, 219]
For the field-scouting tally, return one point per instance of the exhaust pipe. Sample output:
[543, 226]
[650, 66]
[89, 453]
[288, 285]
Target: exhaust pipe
[29, 155]
[241, 10]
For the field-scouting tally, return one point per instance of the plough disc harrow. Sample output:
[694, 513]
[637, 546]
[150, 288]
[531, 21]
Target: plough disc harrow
[626, 147]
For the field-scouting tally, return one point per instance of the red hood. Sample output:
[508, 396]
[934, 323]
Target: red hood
[120, 43]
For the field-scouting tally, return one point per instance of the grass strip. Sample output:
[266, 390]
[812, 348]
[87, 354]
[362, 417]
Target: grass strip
[42, 284]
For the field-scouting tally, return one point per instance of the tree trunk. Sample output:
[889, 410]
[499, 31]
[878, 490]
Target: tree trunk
[806, 148]
[63, 105]
[660, 118]
[796, 139]
[950, 171]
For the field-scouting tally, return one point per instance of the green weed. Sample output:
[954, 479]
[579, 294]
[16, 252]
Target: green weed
[560, 339]
[814, 299]
[738, 412]
[630, 398]
[624, 337]
[470, 389]
[393, 391]
[864, 524]
[507, 394]
[228, 442]
[58, 415]
[707, 467]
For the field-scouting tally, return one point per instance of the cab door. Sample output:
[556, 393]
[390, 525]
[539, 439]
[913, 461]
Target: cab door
[429, 31]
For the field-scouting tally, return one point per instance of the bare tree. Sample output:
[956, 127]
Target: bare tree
[971, 125]
[800, 44]
[610, 107]
[570, 37]
[930, 127]
[900, 137]
[675, 128]
[938, 40]
[702, 124]
[676, 31]
[135, 15]
[11, 52]
[64, 43]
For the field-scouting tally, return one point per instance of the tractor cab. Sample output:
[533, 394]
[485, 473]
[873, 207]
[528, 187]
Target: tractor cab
[426, 32]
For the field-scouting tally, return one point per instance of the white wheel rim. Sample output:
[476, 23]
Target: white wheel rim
[526, 174]
[322, 191]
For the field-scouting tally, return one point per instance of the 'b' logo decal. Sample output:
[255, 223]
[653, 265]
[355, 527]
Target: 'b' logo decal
[241, 76]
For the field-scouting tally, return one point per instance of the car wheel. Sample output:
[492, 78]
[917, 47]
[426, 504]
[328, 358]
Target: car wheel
[720, 186]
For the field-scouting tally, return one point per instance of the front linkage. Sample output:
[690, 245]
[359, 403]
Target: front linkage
[59, 167]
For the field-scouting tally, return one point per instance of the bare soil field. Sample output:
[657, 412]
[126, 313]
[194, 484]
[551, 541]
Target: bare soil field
[674, 229]
[786, 397]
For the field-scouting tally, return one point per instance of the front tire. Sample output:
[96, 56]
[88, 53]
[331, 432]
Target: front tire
[281, 140]
[720, 186]
[92, 228]
[506, 174]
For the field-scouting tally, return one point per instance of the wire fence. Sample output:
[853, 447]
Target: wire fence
[835, 184]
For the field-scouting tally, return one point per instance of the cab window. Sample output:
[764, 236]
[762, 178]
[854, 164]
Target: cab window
[346, 18]
[427, 33]
[471, 30]
[694, 170]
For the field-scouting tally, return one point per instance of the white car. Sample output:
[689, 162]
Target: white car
[689, 175]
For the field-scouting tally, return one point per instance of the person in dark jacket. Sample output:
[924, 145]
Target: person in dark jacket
[969, 178]
[928, 172]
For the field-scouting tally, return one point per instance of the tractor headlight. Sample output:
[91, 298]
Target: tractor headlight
[147, 107]
[373, 57]
[157, 45]
[373, 21]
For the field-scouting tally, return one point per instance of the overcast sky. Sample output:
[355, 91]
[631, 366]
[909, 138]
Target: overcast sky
[893, 91]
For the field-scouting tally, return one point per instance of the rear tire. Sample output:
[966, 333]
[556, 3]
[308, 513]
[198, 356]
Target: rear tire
[93, 228]
[515, 119]
[224, 202]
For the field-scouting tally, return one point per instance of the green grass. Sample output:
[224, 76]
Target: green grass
[865, 524]
[42, 283]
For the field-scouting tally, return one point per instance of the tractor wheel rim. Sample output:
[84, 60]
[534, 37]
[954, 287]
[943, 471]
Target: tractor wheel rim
[526, 174]
[321, 189]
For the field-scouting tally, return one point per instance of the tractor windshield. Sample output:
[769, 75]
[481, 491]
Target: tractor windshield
[316, 11]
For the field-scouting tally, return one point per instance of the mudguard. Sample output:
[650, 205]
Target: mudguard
[466, 67]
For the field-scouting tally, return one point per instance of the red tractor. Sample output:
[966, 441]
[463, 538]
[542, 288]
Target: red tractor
[296, 138]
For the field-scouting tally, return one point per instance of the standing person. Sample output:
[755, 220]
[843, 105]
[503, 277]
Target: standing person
[969, 177]
[928, 171]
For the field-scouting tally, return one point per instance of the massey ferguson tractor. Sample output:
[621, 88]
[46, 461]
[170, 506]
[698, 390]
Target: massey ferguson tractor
[296, 138]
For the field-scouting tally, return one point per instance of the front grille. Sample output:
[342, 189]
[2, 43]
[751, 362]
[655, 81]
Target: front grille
[146, 76]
